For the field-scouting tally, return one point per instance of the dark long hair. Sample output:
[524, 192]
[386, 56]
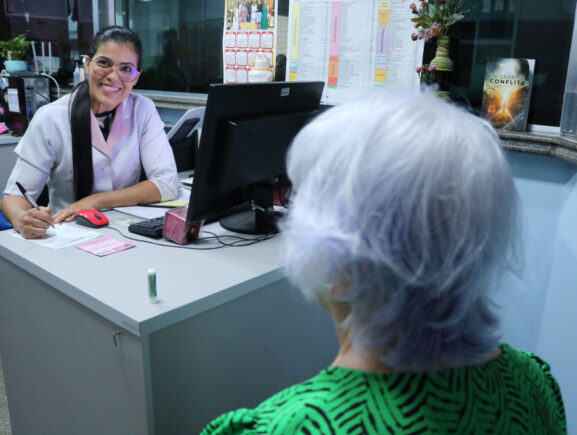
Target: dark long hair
[80, 125]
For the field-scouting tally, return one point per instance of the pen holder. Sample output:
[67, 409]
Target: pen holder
[177, 229]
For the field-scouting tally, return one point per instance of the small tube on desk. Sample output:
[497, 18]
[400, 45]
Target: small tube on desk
[152, 294]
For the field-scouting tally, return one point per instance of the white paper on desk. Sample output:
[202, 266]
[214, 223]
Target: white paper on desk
[62, 235]
[187, 181]
[143, 212]
[148, 212]
[183, 194]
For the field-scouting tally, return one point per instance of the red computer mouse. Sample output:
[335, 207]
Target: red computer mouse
[91, 218]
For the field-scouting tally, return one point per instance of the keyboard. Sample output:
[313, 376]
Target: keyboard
[154, 227]
[151, 227]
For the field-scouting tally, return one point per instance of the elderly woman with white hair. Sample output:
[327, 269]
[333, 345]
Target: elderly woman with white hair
[405, 215]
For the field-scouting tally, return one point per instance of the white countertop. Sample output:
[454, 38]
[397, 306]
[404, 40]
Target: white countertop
[116, 286]
[8, 139]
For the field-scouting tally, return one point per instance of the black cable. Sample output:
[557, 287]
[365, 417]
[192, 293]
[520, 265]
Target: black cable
[209, 248]
[240, 239]
[163, 244]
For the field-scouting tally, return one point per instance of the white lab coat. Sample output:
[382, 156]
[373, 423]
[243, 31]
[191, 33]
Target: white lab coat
[136, 135]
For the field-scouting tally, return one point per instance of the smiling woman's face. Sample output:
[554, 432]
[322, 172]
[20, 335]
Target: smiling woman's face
[107, 91]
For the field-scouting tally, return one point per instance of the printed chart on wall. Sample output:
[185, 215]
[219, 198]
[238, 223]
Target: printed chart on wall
[249, 40]
[354, 46]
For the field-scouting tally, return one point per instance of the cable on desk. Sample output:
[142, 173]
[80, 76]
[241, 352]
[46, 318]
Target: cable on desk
[240, 239]
[236, 244]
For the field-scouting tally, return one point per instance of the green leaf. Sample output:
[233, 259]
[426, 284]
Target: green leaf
[454, 18]
[15, 48]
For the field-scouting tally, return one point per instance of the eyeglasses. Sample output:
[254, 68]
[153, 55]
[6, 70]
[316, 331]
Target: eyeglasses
[126, 71]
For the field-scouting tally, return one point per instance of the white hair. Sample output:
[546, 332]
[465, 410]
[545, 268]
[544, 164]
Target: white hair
[411, 198]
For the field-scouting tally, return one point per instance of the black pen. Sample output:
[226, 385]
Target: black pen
[29, 198]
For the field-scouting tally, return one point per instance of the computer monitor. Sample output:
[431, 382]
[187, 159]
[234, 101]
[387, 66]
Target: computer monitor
[240, 162]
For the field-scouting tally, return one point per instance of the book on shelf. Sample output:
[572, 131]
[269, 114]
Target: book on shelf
[507, 92]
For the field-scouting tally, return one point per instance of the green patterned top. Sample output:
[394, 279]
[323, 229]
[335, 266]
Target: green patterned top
[512, 394]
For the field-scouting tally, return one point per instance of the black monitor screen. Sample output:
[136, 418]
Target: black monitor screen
[245, 136]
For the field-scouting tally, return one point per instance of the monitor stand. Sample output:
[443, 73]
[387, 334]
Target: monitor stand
[252, 221]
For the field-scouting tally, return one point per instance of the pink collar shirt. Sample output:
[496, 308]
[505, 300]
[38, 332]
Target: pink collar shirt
[136, 141]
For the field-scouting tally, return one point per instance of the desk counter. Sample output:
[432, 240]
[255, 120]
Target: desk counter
[84, 352]
[115, 286]
[7, 157]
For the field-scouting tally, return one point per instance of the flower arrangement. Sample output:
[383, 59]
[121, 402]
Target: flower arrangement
[434, 17]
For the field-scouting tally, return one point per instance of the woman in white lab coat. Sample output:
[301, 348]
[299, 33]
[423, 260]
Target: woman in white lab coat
[89, 147]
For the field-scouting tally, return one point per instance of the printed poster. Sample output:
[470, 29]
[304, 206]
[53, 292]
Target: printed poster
[354, 46]
[250, 29]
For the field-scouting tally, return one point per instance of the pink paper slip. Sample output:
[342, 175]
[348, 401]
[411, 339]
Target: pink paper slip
[105, 246]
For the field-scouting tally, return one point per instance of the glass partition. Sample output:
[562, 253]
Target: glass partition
[183, 41]
[520, 29]
[569, 114]
[183, 45]
[65, 28]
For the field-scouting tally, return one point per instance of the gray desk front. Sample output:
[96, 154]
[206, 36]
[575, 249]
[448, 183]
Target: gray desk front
[7, 158]
[84, 352]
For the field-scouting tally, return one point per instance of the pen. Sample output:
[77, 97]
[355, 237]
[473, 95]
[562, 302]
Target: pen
[29, 198]
[152, 295]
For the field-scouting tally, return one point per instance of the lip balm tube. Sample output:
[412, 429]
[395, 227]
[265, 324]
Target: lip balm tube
[152, 294]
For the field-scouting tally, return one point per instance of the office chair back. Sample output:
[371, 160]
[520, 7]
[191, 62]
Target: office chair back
[184, 137]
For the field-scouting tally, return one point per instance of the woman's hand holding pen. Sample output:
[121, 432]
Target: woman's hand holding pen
[33, 223]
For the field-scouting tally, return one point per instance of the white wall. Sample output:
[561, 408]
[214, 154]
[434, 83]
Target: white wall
[540, 304]
[558, 337]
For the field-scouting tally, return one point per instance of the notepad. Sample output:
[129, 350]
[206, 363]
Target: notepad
[105, 246]
[151, 211]
[170, 204]
[180, 201]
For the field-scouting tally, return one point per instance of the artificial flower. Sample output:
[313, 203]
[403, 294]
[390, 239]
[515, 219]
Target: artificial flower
[434, 17]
